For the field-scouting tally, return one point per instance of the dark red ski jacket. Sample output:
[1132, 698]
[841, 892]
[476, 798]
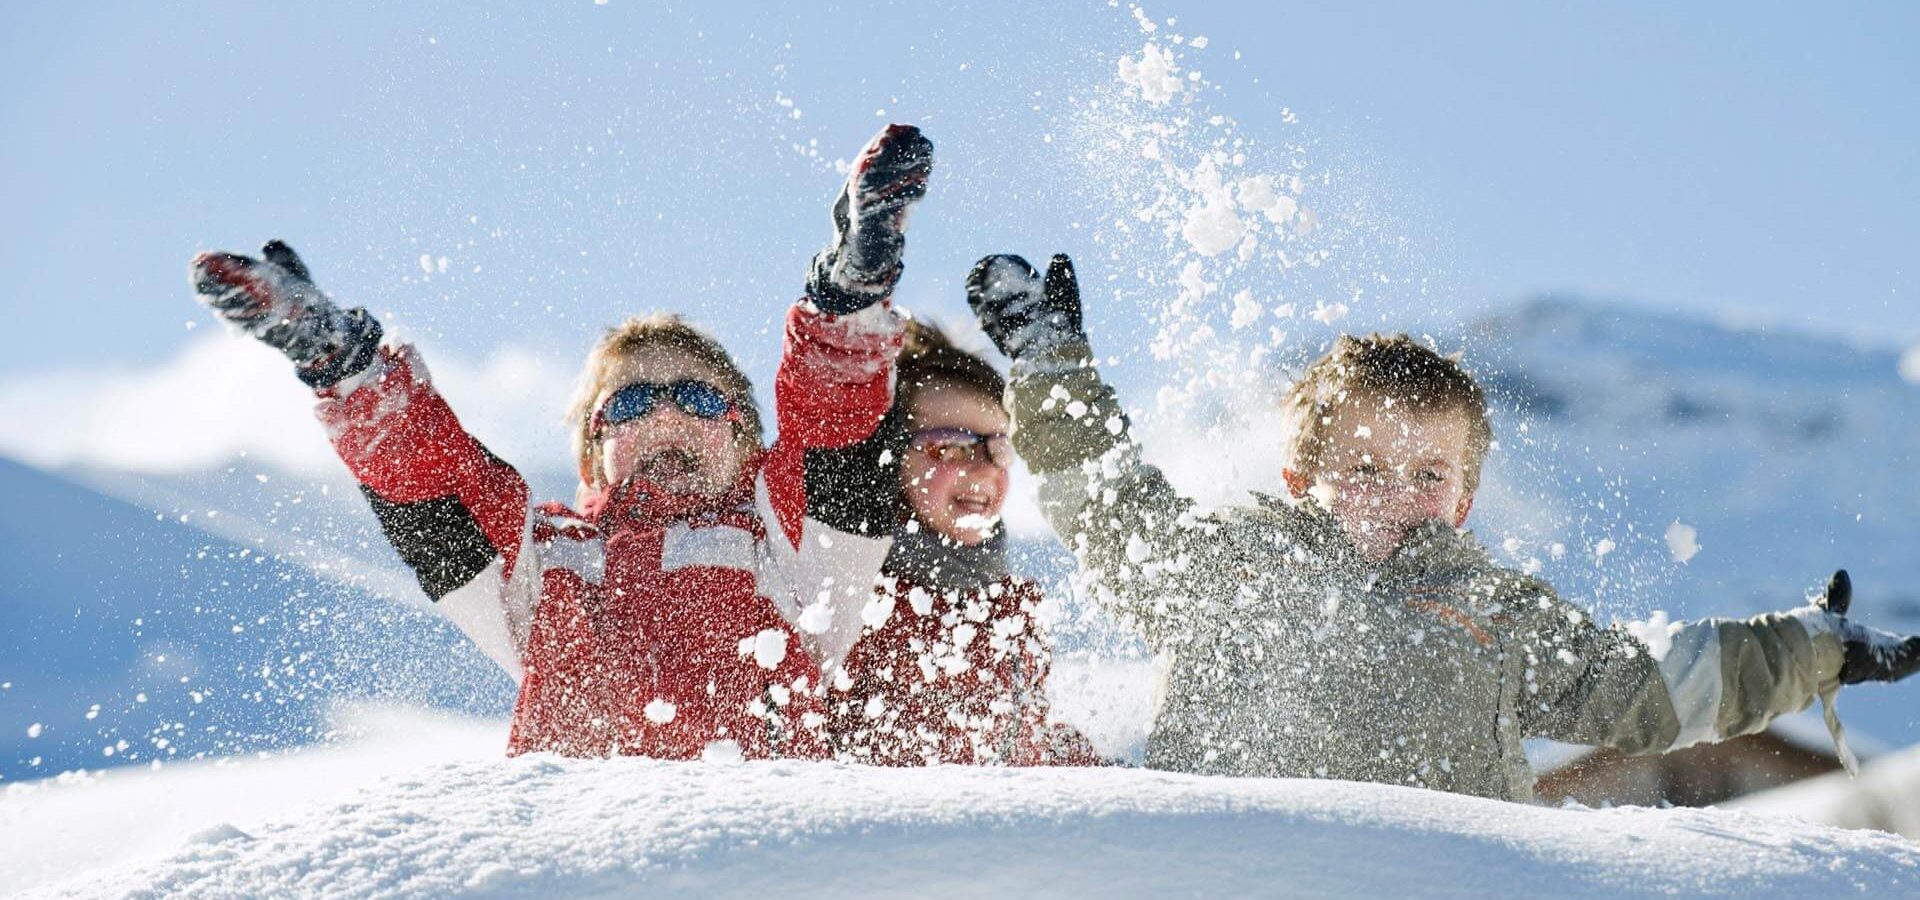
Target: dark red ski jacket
[951, 677]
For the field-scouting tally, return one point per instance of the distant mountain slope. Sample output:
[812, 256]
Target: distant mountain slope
[1792, 455]
[128, 636]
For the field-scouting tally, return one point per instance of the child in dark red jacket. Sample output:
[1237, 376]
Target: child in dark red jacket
[953, 663]
[689, 606]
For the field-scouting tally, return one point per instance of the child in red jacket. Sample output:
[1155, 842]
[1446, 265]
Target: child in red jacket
[688, 606]
[952, 666]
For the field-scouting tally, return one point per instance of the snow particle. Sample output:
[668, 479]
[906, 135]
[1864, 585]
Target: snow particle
[877, 611]
[34, 730]
[1910, 365]
[1245, 310]
[659, 711]
[1154, 74]
[768, 648]
[1681, 541]
[1328, 313]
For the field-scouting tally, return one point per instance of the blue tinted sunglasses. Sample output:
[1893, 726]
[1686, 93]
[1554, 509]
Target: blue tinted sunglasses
[639, 399]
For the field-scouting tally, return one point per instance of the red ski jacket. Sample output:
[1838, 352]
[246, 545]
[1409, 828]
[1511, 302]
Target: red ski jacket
[645, 623]
[955, 677]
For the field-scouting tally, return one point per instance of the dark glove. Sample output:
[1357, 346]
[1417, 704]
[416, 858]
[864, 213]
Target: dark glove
[1871, 654]
[862, 265]
[274, 299]
[1021, 312]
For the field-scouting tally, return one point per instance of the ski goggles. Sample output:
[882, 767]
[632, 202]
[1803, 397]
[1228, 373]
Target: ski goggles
[959, 445]
[639, 399]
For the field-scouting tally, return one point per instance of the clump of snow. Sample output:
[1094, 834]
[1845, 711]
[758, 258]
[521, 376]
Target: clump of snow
[877, 611]
[1154, 74]
[1656, 631]
[1328, 313]
[1245, 310]
[977, 523]
[659, 711]
[768, 648]
[1910, 365]
[1682, 541]
[1257, 195]
[1212, 224]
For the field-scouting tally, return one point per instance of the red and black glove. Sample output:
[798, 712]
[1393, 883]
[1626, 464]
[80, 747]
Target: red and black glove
[862, 265]
[274, 299]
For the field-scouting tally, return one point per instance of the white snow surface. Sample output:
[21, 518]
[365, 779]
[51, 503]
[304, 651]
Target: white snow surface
[547, 826]
[57, 828]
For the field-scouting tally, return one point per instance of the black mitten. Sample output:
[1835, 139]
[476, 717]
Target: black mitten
[1871, 654]
[1020, 311]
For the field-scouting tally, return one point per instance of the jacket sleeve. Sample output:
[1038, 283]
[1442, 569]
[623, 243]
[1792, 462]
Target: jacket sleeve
[834, 385]
[1147, 555]
[1649, 688]
[457, 514]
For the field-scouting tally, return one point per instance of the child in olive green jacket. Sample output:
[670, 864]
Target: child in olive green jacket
[1354, 630]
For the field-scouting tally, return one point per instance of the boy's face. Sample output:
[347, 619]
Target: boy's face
[668, 447]
[1384, 472]
[954, 487]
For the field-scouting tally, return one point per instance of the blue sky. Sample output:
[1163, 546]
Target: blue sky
[580, 161]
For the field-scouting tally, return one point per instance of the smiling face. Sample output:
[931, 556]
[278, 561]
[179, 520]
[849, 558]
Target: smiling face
[1384, 472]
[669, 448]
[959, 499]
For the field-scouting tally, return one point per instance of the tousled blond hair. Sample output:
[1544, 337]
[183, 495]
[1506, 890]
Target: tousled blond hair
[1393, 368]
[664, 330]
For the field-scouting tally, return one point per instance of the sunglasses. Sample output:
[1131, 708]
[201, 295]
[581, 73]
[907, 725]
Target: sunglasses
[959, 445]
[639, 399]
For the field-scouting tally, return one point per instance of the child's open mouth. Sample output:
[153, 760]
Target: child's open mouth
[972, 505]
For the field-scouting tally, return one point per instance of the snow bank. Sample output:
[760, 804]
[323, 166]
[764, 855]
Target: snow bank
[546, 826]
[81, 822]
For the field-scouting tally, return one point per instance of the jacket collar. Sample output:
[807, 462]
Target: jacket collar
[923, 557]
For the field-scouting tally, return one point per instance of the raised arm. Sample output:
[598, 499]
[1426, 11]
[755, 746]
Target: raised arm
[1133, 533]
[835, 381]
[456, 513]
[834, 385]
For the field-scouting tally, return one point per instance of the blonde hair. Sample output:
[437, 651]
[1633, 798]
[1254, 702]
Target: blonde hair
[1393, 368]
[664, 330]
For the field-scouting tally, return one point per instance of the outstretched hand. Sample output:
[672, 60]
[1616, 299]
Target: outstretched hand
[1871, 654]
[274, 299]
[863, 263]
[1020, 311]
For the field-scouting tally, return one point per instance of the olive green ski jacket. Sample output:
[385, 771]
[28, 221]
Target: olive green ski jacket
[1291, 655]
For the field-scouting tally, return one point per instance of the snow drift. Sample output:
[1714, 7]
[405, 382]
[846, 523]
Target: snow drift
[547, 826]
